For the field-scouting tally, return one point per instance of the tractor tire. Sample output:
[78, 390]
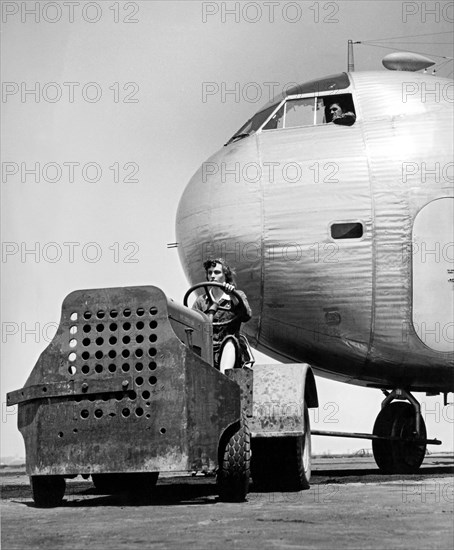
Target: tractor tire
[234, 465]
[47, 491]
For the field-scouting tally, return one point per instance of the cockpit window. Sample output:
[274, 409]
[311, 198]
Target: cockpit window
[253, 124]
[295, 112]
[298, 112]
[311, 111]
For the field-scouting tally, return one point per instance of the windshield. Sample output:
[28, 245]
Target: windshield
[253, 124]
[298, 112]
[326, 84]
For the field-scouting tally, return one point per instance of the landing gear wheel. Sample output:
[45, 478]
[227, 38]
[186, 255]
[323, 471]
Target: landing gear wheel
[111, 484]
[234, 465]
[283, 463]
[47, 491]
[398, 457]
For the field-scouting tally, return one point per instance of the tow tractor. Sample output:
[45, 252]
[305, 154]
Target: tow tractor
[127, 389]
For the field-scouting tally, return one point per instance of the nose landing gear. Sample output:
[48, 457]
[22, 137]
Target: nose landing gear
[403, 447]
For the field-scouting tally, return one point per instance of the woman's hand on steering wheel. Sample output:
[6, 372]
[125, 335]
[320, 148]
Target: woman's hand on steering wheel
[227, 287]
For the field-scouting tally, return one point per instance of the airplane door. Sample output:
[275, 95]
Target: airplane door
[433, 274]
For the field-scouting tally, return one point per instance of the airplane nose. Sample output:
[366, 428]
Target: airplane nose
[219, 211]
[192, 227]
[220, 215]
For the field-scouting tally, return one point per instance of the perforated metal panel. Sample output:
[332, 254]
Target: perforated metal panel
[115, 342]
[118, 391]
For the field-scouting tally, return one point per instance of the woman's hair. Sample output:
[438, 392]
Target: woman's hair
[229, 273]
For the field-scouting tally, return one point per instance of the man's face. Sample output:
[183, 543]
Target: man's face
[336, 111]
[216, 274]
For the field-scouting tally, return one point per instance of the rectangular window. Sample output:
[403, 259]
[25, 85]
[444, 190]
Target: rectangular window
[313, 111]
[347, 230]
[299, 112]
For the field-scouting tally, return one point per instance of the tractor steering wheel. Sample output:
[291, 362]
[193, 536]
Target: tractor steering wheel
[212, 302]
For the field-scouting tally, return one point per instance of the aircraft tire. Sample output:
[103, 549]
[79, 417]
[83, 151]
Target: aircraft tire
[234, 465]
[47, 491]
[283, 463]
[398, 457]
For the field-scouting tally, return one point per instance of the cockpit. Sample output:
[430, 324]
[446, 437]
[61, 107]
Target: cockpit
[313, 103]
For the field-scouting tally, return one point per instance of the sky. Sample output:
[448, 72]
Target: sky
[108, 108]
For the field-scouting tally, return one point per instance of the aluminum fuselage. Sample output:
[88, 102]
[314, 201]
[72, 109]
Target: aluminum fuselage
[374, 310]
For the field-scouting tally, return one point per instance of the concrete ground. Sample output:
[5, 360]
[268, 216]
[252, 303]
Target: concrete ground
[349, 505]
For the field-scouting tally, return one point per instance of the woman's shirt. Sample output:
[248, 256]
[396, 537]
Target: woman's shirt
[220, 332]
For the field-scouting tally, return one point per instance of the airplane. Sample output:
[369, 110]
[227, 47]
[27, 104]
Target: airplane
[342, 238]
[334, 203]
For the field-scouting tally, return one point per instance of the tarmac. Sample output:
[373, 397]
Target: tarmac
[349, 505]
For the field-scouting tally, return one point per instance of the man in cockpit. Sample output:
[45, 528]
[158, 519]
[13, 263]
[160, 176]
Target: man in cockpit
[339, 116]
